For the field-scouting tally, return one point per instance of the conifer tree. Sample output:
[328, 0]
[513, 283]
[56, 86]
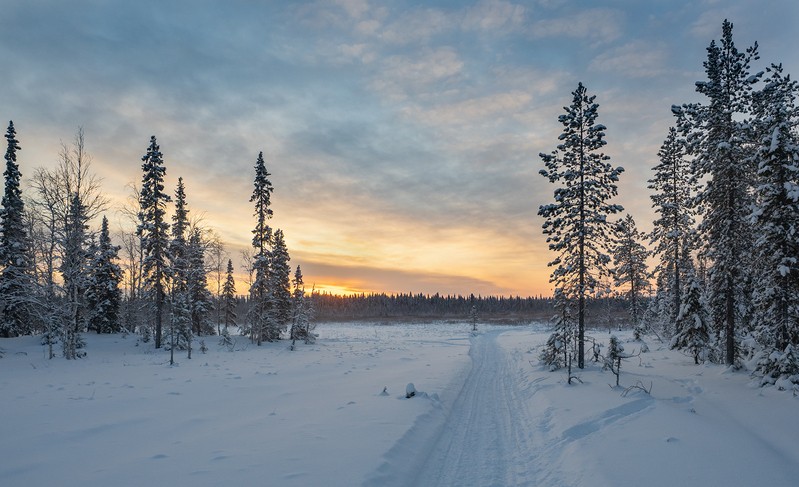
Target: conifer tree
[260, 293]
[776, 217]
[630, 271]
[560, 343]
[200, 298]
[15, 264]
[103, 295]
[301, 309]
[229, 297]
[693, 328]
[180, 319]
[717, 138]
[280, 286]
[75, 275]
[576, 223]
[673, 189]
[153, 232]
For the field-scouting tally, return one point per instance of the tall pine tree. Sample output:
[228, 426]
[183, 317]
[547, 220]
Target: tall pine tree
[777, 219]
[229, 297]
[260, 293]
[674, 188]
[717, 138]
[15, 264]
[576, 223]
[180, 310]
[153, 230]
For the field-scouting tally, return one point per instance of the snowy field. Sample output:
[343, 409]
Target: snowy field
[486, 414]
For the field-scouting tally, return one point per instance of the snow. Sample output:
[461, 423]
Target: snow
[335, 413]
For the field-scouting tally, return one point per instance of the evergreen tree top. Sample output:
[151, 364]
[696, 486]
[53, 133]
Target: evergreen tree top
[13, 143]
[181, 217]
[261, 196]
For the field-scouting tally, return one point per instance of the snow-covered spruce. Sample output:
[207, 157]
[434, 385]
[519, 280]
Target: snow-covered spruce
[718, 138]
[776, 297]
[16, 286]
[693, 324]
[153, 231]
[630, 270]
[103, 295]
[260, 311]
[673, 190]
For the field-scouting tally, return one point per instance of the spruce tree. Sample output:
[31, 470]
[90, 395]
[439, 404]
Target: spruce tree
[74, 271]
[776, 217]
[229, 297]
[200, 297]
[717, 138]
[180, 319]
[280, 286]
[630, 271]
[693, 328]
[300, 324]
[103, 295]
[673, 189]
[560, 343]
[576, 223]
[260, 293]
[15, 264]
[153, 231]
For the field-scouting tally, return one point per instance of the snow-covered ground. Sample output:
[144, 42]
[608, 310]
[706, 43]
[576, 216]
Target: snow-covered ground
[486, 414]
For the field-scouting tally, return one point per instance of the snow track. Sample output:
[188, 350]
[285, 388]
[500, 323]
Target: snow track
[482, 439]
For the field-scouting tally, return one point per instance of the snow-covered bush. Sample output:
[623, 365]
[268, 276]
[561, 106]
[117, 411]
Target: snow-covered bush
[555, 352]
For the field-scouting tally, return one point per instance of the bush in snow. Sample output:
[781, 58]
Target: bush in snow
[555, 352]
[780, 365]
[410, 390]
[615, 354]
[225, 340]
[692, 322]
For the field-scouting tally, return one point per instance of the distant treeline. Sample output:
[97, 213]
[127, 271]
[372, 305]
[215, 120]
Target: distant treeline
[513, 309]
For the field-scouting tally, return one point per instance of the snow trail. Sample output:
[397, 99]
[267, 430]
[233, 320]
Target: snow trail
[483, 439]
[486, 438]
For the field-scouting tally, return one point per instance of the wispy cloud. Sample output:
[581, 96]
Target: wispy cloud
[637, 59]
[402, 76]
[597, 24]
[495, 16]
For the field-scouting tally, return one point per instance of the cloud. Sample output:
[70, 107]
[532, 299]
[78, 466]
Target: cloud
[599, 25]
[403, 76]
[495, 16]
[354, 8]
[357, 279]
[472, 111]
[417, 26]
[638, 59]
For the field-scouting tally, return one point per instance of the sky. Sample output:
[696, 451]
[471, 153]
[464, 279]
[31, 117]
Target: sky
[402, 137]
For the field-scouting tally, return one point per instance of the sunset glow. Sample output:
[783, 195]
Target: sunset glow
[402, 137]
